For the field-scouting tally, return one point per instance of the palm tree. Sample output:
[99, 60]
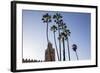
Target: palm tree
[74, 47]
[57, 18]
[46, 19]
[67, 34]
[62, 36]
[54, 29]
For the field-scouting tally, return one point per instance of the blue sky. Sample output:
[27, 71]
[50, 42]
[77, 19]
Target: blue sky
[34, 34]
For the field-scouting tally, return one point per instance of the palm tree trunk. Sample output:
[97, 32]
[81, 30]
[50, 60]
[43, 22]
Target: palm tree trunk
[60, 48]
[59, 42]
[56, 46]
[76, 55]
[63, 49]
[68, 49]
[47, 33]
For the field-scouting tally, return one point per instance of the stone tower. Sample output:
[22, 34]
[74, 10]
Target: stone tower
[50, 53]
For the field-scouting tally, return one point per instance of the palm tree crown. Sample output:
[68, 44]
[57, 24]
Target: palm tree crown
[74, 47]
[57, 16]
[54, 28]
[46, 18]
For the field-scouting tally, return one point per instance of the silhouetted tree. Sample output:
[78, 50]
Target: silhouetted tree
[54, 29]
[74, 47]
[46, 19]
[62, 36]
[67, 34]
[57, 18]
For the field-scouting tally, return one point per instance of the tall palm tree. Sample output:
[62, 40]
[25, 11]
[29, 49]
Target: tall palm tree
[57, 18]
[46, 19]
[67, 34]
[62, 36]
[63, 28]
[74, 47]
[54, 29]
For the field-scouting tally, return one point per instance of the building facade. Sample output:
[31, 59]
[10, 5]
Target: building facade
[50, 53]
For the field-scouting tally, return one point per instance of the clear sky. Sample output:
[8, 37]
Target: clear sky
[34, 34]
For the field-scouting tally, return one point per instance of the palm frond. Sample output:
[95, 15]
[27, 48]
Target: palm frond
[74, 47]
[54, 28]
